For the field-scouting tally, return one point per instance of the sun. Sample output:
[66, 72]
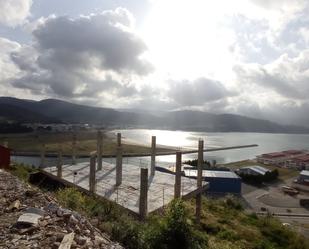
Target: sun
[189, 39]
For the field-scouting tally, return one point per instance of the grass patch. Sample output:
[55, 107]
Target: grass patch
[22, 171]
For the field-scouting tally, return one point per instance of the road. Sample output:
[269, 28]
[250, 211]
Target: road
[272, 199]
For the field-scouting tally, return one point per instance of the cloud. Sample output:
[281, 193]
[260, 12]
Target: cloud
[304, 32]
[14, 12]
[7, 67]
[286, 76]
[86, 56]
[197, 92]
[9, 71]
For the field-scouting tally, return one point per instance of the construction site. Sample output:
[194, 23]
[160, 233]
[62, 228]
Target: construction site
[134, 184]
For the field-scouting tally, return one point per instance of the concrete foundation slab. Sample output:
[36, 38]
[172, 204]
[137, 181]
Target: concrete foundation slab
[160, 186]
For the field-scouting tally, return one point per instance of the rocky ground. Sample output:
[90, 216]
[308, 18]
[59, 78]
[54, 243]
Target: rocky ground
[30, 218]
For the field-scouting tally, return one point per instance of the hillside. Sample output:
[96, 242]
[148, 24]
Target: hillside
[10, 112]
[223, 224]
[51, 110]
[18, 199]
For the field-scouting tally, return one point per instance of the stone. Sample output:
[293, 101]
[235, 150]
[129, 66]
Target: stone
[56, 245]
[42, 228]
[30, 193]
[51, 208]
[73, 220]
[29, 218]
[98, 240]
[28, 230]
[59, 236]
[81, 240]
[14, 205]
[35, 237]
[67, 241]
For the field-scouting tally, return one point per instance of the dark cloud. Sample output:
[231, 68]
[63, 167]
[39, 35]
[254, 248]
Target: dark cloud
[197, 92]
[82, 56]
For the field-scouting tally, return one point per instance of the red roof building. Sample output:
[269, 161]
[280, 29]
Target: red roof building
[293, 152]
[5, 157]
[274, 155]
[288, 158]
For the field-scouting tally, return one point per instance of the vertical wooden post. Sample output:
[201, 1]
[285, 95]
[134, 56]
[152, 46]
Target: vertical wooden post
[118, 166]
[100, 149]
[153, 155]
[74, 149]
[59, 164]
[177, 186]
[92, 180]
[200, 162]
[42, 163]
[143, 198]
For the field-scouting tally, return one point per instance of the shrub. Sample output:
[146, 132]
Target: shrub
[22, 172]
[228, 235]
[71, 198]
[175, 230]
[234, 203]
[128, 232]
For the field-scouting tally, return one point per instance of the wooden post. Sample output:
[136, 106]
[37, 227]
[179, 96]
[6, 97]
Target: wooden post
[59, 164]
[200, 162]
[42, 163]
[118, 166]
[153, 155]
[143, 198]
[177, 186]
[74, 149]
[92, 180]
[100, 149]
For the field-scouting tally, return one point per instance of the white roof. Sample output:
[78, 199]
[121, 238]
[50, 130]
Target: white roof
[305, 172]
[258, 169]
[211, 173]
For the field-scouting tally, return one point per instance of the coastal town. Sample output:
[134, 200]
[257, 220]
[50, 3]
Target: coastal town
[275, 183]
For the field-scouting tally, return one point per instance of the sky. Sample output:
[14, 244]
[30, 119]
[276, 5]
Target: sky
[247, 57]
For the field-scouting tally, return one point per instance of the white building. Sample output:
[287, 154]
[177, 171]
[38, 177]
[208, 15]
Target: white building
[253, 170]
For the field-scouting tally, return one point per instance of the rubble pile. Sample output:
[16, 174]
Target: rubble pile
[30, 218]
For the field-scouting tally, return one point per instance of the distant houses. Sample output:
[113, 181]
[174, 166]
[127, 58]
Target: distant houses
[298, 159]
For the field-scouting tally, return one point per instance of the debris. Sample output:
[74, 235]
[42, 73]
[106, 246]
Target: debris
[30, 218]
[14, 205]
[51, 208]
[67, 241]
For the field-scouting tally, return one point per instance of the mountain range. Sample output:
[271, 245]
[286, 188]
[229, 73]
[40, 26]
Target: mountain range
[58, 111]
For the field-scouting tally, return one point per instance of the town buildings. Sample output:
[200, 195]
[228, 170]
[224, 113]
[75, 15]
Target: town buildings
[298, 159]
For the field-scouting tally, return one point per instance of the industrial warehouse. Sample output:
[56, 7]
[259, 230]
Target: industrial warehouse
[220, 182]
